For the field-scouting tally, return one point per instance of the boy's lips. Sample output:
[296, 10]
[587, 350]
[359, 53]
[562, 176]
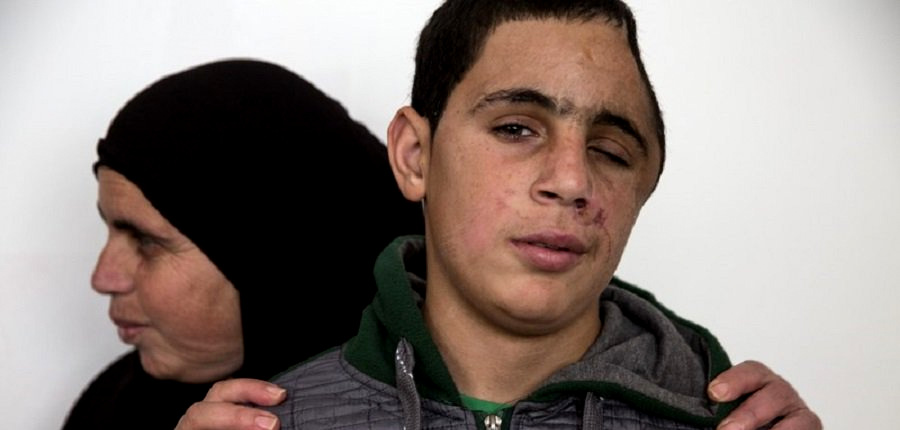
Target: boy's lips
[551, 252]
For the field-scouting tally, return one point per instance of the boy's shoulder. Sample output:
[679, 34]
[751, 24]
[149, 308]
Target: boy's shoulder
[327, 392]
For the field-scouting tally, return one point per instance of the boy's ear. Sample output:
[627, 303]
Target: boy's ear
[409, 140]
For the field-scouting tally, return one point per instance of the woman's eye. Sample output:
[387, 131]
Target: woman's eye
[147, 245]
[514, 131]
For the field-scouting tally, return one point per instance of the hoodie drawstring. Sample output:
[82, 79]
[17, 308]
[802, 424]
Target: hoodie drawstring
[591, 419]
[404, 362]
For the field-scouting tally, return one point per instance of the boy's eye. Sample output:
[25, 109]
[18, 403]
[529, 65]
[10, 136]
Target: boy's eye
[514, 131]
[610, 155]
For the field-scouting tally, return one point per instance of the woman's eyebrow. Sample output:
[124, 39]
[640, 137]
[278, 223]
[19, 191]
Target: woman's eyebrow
[127, 226]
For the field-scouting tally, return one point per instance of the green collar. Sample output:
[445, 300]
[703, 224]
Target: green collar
[394, 314]
[483, 406]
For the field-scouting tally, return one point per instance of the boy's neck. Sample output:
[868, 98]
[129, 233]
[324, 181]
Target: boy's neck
[489, 363]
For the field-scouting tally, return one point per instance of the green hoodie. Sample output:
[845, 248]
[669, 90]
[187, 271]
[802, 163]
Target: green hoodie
[647, 368]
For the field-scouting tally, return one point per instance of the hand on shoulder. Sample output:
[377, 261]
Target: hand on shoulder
[772, 399]
[231, 405]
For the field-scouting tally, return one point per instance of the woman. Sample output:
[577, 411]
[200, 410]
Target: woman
[223, 188]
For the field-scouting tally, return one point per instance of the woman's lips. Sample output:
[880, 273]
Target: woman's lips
[128, 331]
[550, 252]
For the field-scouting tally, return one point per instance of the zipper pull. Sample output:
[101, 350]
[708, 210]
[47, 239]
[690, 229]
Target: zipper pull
[493, 422]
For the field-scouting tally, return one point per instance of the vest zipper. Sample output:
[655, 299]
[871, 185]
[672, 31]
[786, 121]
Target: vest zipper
[493, 422]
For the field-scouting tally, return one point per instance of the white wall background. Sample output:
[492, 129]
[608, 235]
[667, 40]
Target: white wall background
[777, 222]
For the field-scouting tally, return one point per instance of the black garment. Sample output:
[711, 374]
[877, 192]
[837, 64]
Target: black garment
[126, 397]
[255, 166]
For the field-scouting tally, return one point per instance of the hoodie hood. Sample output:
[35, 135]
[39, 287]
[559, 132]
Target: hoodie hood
[645, 355]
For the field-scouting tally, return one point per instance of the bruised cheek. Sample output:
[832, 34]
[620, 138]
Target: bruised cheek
[599, 219]
[615, 216]
[619, 225]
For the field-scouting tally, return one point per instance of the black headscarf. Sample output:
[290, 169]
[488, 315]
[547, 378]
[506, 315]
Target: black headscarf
[288, 196]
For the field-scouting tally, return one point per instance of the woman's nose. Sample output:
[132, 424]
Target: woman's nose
[114, 272]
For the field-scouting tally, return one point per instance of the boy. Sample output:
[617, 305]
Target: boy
[533, 140]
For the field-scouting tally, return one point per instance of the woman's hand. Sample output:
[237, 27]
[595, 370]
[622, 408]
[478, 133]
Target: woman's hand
[772, 398]
[229, 405]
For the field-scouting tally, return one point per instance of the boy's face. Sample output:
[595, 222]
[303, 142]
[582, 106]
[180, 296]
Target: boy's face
[536, 173]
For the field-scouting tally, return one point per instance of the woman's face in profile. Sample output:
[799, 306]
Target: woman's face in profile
[166, 297]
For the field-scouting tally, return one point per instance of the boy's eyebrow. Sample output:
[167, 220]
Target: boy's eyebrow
[523, 96]
[606, 117]
[609, 118]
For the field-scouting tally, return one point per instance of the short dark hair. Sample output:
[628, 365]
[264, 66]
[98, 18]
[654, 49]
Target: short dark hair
[454, 37]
